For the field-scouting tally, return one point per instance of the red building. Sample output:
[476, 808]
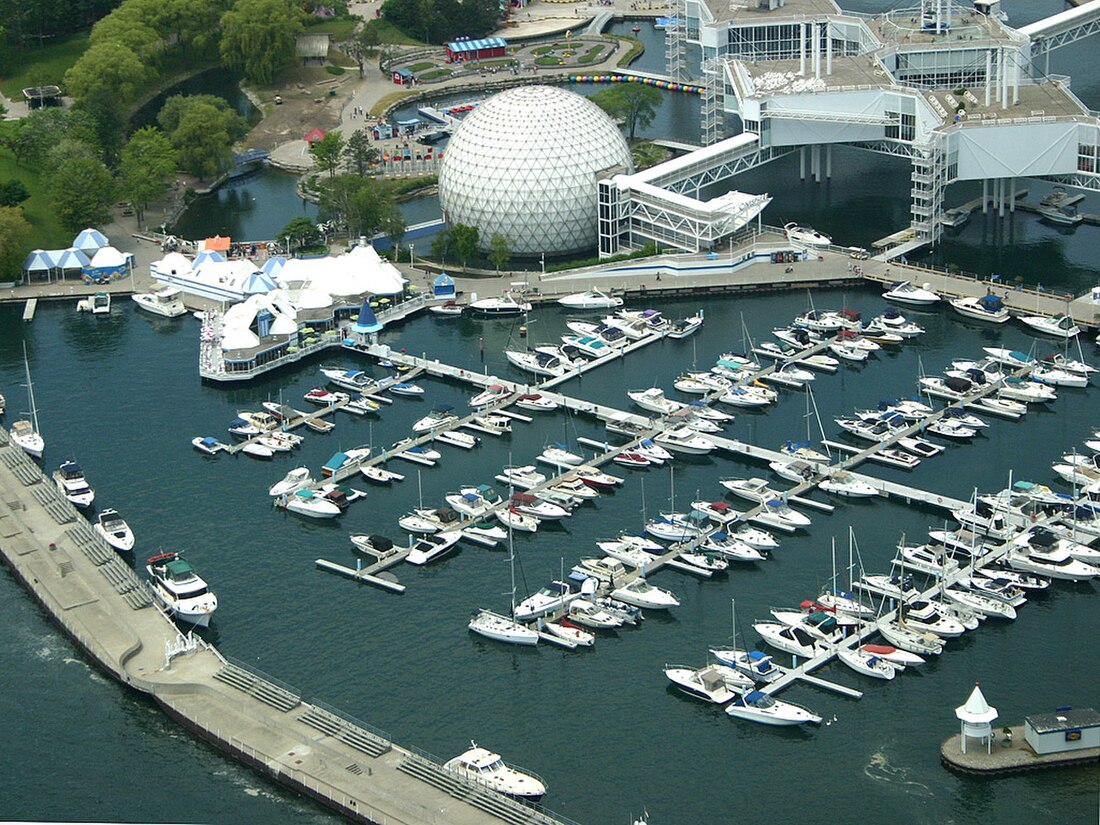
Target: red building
[459, 51]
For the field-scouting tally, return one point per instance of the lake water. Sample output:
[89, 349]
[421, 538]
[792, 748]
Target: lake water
[121, 395]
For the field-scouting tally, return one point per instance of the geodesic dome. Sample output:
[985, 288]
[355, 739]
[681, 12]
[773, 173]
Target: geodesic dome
[525, 164]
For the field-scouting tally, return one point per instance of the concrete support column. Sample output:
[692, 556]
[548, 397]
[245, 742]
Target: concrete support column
[815, 162]
[802, 50]
[802, 163]
[1003, 190]
[828, 47]
[988, 77]
[816, 45]
[985, 196]
[829, 161]
[1012, 194]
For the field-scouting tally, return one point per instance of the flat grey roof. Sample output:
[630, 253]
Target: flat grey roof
[747, 11]
[1061, 720]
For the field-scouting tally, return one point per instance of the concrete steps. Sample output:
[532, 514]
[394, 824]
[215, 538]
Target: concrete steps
[502, 807]
[267, 692]
[346, 731]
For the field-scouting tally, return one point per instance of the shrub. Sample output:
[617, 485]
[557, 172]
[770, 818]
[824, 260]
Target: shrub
[337, 70]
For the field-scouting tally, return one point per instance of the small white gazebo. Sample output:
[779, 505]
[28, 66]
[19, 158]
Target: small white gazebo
[976, 717]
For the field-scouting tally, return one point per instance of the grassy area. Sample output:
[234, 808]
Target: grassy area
[397, 188]
[593, 54]
[419, 67]
[541, 50]
[389, 33]
[33, 65]
[48, 232]
[435, 74]
[635, 51]
[389, 100]
[340, 29]
[549, 61]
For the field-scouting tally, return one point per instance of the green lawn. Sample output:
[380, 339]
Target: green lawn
[341, 29]
[48, 232]
[549, 61]
[420, 67]
[389, 33]
[434, 74]
[33, 65]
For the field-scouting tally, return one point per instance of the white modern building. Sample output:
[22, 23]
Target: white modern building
[951, 87]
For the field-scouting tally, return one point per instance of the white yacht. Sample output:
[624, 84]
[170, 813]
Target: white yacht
[308, 503]
[558, 455]
[25, 433]
[753, 663]
[538, 363]
[506, 304]
[524, 477]
[180, 589]
[756, 706]
[429, 548]
[72, 484]
[867, 663]
[908, 293]
[990, 308]
[685, 440]
[591, 299]
[536, 403]
[554, 596]
[502, 628]
[793, 640]
[806, 236]
[654, 400]
[717, 684]
[490, 395]
[166, 302]
[1057, 325]
[292, 482]
[753, 489]
[440, 417]
[207, 444]
[114, 530]
[641, 593]
[843, 483]
[486, 768]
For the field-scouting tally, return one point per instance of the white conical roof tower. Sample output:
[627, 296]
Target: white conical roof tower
[976, 717]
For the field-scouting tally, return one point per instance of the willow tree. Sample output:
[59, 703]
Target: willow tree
[258, 37]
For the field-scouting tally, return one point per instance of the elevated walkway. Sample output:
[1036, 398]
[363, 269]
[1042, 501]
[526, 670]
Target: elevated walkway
[1063, 28]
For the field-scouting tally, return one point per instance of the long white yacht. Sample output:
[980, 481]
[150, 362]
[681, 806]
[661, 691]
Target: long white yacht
[714, 683]
[487, 768]
[591, 299]
[756, 706]
[114, 530]
[167, 302]
[180, 589]
[72, 484]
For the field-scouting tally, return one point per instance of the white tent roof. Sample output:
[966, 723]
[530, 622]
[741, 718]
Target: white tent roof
[227, 272]
[72, 258]
[108, 256]
[239, 338]
[976, 710]
[173, 263]
[283, 325]
[90, 239]
[38, 260]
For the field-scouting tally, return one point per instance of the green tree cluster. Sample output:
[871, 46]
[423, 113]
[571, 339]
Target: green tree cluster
[328, 152]
[15, 236]
[31, 137]
[13, 192]
[359, 155]
[202, 129]
[633, 103]
[26, 22]
[148, 162]
[257, 37]
[437, 21]
[80, 186]
[360, 205]
[462, 241]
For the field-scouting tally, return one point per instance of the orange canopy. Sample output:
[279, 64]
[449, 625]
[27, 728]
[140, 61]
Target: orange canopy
[217, 243]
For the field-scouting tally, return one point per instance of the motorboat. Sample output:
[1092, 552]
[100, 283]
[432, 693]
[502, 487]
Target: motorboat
[609, 334]
[919, 446]
[631, 542]
[574, 488]
[843, 602]
[538, 508]
[569, 356]
[641, 593]
[847, 351]
[690, 418]
[881, 429]
[98, 304]
[634, 461]
[685, 326]
[748, 397]
[846, 484]
[319, 425]
[538, 363]
[802, 451]
[457, 438]
[654, 400]
[951, 428]
[1055, 563]
[699, 409]
[901, 635]
[754, 537]
[502, 628]
[588, 345]
[591, 299]
[777, 513]
[72, 484]
[361, 405]
[892, 587]
[963, 417]
[1026, 390]
[490, 395]
[355, 380]
[406, 389]
[504, 305]
[706, 564]
[114, 530]
[891, 320]
[732, 548]
[655, 453]
[343, 460]
[819, 623]
[422, 520]
[515, 520]
[635, 329]
[557, 455]
[293, 481]
[789, 375]
[984, 521]
[893, 655]
[928, 617]
[597, 479]
[524, 477]
[433, 547]
[487, 768]
[980, 602]
[806, 236]
[793, 640]
[719, 512]
[1043, 540]
[607, 569]
[821, 321]
[179, 588]
[311, 503]
[167, 302]
[650, 318]
[416, 453]
[753, 489]
[254, 449]
[1057, 325]
[717, 684]
[1061, 215]
[589, 614]
[1069, 364]
[474, 502]
[326, 398]
[911, 409]
[448, 309]
[701, 383]
[438, 418]
[928, 559]
[379, 546]
[207, 444]
[490, 423]
[867, 663]
[536, 403]
[685, 440]
[908, 293]
[568, 632]
[735, 367]
[554, 596]
[1055, 376]
[755, 664]
[989, 308]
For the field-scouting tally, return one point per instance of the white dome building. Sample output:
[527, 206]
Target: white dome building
[525, 163]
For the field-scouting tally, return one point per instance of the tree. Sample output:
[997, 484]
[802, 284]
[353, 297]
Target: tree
[634, 103]
[436, 21]
[148, 163]
[301, 231]
[328, 151]
[359, 154]
[15, 242]
[441, 245]
[343, 198]
[393, 224]
[202, 129]
[363, 44]
[13, 192]
[499, 251]
[81, 191]
[258, 37]
[106, 78]
[31, 137]
[464, 240]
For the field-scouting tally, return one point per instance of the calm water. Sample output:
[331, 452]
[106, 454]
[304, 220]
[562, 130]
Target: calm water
[600, 725]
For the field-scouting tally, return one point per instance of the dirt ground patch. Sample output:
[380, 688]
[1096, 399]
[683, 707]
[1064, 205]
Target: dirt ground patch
[307, 102]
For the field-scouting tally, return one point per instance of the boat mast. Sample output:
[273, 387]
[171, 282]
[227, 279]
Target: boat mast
[30, 388]
[812, 402]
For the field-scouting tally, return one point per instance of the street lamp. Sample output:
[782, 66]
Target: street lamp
[542, 260]
[412, 260]
[287, 239]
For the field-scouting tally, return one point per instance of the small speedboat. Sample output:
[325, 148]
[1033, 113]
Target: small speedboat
[554, 596]
[538, 508]
[685, 440]
[846, 484]
[1057, 325]
[717, 684]
[951, 428]
[114, 530]
[167, 303]
[753, 489]
[597, 478]
[591, 299]
[587, 613]
[893, 655]
[719, 512]
[756, 664]
[506, 304]
[641, 593]
[442, 416]
[908, 293]
[378, 475]
[891, 320]
[685, 326]
[483, 767]
[756, 706]
[558, 456]
[355, 380]
[635, 461]
[490, 395]
[515, 520]
[656, 454]
[793, 640]
[375, 545]
[207, 444]
[406, 389]
[732, 548]
[179, 588]
[422, 521]
[536, 403]
[325, 398]
[748, 397]
[990, 308]
[433, 547]
[919, 446]
[311, 503]
[448, 309]
[293, 481]
[806, 236]
[524, 477]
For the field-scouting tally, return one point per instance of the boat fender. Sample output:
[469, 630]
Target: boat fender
[939, 499]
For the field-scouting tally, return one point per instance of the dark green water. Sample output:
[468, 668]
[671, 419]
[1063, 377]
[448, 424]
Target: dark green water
[600, 725]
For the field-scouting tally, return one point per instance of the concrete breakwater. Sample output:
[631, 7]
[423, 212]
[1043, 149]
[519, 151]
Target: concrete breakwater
[109, 613]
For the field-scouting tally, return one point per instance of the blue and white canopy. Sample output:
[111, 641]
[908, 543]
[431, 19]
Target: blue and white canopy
[207, 255]
[367, 322]
[459, 46]
[90, 240]
[71, 258]
[273, 266]
[257, 282]
[39, 261]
